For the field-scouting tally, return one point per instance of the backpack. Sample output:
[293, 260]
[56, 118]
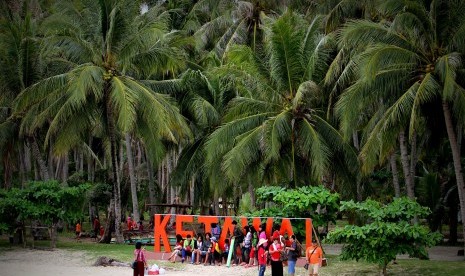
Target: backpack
[298, 249]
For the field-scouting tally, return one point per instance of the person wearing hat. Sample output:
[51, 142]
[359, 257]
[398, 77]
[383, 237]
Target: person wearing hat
[262, 256]
[314, 257]
[212, 254]
[275, 250]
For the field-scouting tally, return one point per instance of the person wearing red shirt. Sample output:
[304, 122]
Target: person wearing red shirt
[262, 255]
[275, 251]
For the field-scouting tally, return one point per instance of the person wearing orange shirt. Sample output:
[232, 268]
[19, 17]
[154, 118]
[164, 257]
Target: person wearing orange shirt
[314, 257]
[78, 230]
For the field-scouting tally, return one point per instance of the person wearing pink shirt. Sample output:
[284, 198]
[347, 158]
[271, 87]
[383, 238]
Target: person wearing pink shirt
[139, 256]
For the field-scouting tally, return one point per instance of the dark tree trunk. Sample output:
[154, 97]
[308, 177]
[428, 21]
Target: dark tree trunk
[109, 224]
[151, 185]
[114, 161]
[44, 174]
[453, 223]
[457, 162]
[406, 165]
[132, 178]
[395, 174]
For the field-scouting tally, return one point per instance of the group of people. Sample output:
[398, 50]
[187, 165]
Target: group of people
[132, 225]
[251, 248]
[97, 229]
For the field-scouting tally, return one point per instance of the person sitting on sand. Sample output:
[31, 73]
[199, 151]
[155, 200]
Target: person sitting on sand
[177, 249]
[197, 252]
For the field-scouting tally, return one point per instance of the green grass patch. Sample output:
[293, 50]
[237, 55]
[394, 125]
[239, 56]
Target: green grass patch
[123, 252]
[411, 267]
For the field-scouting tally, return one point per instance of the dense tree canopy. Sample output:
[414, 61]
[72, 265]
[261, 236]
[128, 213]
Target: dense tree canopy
[198, 102]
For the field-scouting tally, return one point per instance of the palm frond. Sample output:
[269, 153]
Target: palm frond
[428, 89]
[245, 152]
[312, 146]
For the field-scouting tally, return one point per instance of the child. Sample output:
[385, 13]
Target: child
[253, 249]
[262, 256]
[225, 251]
[252, 257]
[211, 254]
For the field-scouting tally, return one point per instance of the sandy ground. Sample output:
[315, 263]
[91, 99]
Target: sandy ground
[28, 262]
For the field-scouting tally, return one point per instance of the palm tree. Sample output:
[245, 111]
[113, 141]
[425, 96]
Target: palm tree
[415, 55]
[20, 68]
[275, 124]
[99, 86]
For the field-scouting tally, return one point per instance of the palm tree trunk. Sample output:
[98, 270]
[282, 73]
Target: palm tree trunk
[395, 174]
[406, 165]
[65, 168]
[7, 166]
[456, 159]
[459, 136]
[358, 180]
[252, 195]
[81, 161]
[53, 235]
[151, 186]
[22, 167]
[50, 160]
[110, 221]
[413, 159]
[114, 165]
[132, 178]
[90, 162]
[44, 174]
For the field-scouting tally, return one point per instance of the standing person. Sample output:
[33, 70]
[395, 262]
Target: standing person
[275, 250]
[262, 233]
[246, 247]
[216, 230]
[225, 253]
[314, 257]
[78, 230]
[262, 256]
[129, 223]
[238, 240]
[291, 255]
[139, 257]
[96, 227]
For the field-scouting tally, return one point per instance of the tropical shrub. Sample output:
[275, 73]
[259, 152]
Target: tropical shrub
[389, 232]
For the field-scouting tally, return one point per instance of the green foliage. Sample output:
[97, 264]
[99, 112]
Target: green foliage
[390, 232]
[299, 202]
[47, 202]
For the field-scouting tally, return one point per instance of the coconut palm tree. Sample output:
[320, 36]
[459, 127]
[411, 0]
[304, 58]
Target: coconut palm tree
[100, 86]
[275, 124]
[410, 59]
[20, 67]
